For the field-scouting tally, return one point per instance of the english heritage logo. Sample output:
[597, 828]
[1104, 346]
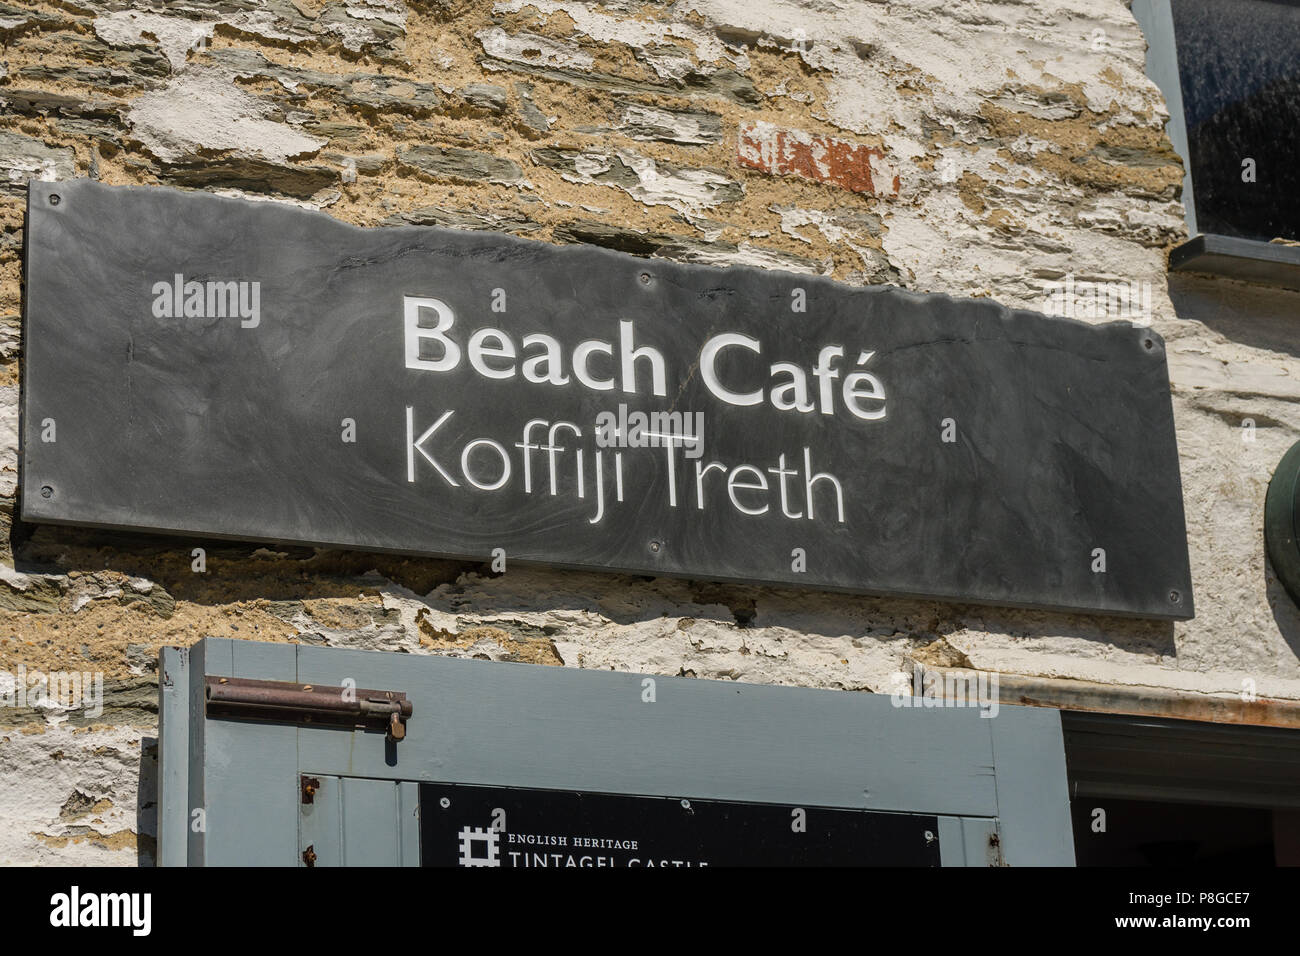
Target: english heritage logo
[487, 838]
[212, 299]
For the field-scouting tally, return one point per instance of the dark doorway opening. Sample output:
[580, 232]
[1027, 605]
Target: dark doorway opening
[1158, 791]
[1142, 833]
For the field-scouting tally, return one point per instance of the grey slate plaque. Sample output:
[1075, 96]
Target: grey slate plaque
[254, 371]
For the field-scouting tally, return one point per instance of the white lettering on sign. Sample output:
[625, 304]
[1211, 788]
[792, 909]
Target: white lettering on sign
[792, 393]
[606, 365]
[557, 458]
[488, 465]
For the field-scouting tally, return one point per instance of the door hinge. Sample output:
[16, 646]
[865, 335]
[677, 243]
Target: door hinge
[309, 787]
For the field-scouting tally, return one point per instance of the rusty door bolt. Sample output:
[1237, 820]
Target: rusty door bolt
[396, 728]
[309, 856]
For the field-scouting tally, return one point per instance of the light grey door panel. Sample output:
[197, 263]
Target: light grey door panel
[996, 785]
[356, 821]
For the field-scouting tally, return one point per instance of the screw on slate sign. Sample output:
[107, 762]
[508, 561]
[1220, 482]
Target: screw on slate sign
[655, 546]
[1174, 597]
[47, 491]
[1148, 344]
[55, 199]
[645, 278]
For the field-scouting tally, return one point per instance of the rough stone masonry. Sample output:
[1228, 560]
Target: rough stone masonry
[957, 146]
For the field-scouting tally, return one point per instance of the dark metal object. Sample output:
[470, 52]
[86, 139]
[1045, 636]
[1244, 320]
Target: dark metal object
[1087, 696]
[1248, 260]
[1062, 439]
[283, 701]
[1281, 530]
[520, 827]
[309, 856]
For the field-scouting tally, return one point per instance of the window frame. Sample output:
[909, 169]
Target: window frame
[1248, 260]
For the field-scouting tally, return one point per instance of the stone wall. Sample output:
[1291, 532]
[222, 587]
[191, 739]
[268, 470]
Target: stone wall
[979, 149]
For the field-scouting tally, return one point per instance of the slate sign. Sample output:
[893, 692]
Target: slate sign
[250, 370]
[556, 829]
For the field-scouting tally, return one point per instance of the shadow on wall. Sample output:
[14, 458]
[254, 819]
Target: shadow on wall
[146, 804]
[1285, 613]
[280, 579]
[1256, 316]
[248, 572]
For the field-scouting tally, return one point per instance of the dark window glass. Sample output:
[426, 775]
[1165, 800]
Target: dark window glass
[1239, 66]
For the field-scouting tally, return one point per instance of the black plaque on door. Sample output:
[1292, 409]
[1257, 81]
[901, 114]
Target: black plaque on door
[472, 826]
[217, 367]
